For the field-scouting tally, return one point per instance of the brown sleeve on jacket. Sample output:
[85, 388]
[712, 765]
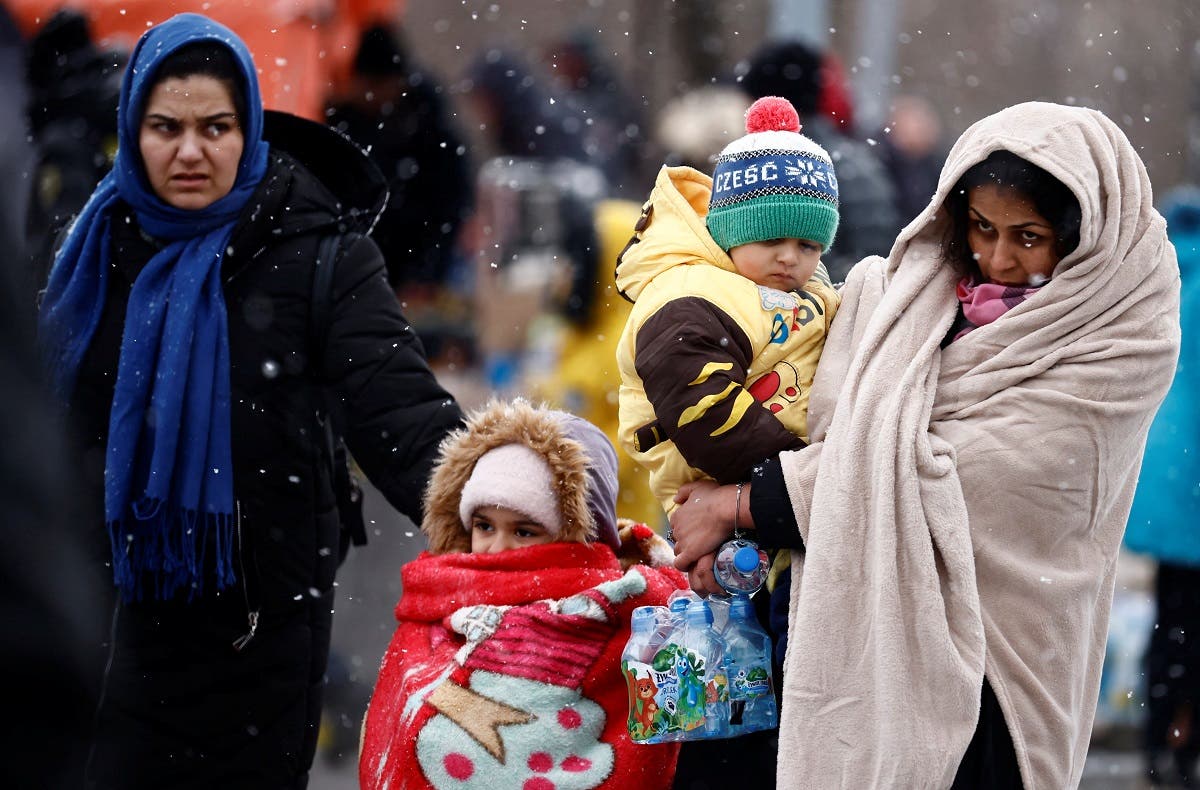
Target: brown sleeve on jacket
[692, 358]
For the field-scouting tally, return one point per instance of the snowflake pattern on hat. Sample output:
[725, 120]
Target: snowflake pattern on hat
[773, 183]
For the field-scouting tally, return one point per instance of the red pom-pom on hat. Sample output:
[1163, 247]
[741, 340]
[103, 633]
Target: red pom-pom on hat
[772, 114]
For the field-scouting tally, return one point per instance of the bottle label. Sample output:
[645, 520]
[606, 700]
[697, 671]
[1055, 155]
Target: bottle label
[652, 696]
[700, 686]
[751, 682]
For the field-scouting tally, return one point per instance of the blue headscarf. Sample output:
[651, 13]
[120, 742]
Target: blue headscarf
[168, 473]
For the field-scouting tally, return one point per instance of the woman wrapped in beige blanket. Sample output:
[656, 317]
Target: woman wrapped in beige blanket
[977, 422]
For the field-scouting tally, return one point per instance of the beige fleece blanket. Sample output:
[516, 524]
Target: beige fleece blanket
[967, 504]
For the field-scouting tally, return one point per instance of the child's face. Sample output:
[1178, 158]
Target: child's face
[496, 529]
[782, 264]
[1012, 243]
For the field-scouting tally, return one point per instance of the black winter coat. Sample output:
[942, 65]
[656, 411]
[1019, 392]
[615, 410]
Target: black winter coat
[183, 706]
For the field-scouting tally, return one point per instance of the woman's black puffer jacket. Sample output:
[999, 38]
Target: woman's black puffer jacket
[211, 713]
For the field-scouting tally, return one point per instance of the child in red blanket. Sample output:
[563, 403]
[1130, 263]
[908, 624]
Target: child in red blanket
[504, 671]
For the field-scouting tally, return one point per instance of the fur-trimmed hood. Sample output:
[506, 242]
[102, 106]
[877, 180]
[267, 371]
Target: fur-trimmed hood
[495, 425]
[550, 434]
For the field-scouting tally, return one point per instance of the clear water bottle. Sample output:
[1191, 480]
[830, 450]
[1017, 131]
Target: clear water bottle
[672, 622]
[741, 567]
[650, 687]
[703, 701]
[748, 663]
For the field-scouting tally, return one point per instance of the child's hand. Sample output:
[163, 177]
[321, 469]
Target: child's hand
[701, 523]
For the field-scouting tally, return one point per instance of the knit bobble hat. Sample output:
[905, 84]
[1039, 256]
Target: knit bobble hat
[773, 183]
[514, 477]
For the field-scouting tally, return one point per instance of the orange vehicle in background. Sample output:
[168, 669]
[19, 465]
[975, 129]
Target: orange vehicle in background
[303, 48]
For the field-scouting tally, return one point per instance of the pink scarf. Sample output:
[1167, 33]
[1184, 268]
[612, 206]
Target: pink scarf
[983, 303]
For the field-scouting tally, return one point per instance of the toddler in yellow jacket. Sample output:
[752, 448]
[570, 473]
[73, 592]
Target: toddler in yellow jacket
[731, 306]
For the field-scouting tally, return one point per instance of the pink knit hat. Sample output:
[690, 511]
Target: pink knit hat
[517, 477]
[512, 476]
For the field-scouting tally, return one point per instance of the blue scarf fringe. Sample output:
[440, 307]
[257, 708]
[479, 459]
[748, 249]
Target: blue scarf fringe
[162, 551]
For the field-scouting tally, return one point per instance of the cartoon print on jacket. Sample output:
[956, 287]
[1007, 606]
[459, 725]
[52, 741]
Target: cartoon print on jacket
[777, 389]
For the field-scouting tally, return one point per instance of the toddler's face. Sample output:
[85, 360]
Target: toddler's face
[496, 529]
[782, 264]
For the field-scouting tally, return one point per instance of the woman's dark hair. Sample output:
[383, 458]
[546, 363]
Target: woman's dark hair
[1004, 169]
[210, 59]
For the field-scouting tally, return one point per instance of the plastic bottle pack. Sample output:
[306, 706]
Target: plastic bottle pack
[692, 675]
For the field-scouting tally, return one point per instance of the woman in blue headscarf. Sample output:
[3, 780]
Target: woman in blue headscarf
[181, 327]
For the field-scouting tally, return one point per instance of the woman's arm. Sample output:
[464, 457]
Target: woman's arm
[395, 411]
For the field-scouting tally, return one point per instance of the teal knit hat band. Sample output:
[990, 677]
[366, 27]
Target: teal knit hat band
[774, 216]
[773, 183]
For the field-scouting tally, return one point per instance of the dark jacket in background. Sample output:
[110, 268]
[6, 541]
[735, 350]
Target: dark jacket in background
[251, 715]
[74, 89]
[47, 601]
[868, 220]
[396, 111]
[914, 177]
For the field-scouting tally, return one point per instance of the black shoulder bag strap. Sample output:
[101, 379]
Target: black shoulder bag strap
[345, 486]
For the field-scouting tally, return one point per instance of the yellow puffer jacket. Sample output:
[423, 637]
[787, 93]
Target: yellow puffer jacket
[715, 370]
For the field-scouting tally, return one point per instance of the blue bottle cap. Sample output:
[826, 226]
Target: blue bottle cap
[740, 608]
[700, 613]
[746, 559]
[644, 618]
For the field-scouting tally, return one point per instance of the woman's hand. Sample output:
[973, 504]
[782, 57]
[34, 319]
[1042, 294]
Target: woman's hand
[701, 523]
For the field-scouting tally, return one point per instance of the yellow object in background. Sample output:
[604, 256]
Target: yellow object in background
[586, 381]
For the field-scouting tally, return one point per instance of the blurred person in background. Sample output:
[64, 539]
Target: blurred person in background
[585, 380]
[522, 112]
[74, 89]
[48, 592]
[837, 101]
[614, 130]
[913, 148]
[869, 219]
[692, 128]
[1162, 525]
[181, 331]
[396, 110]
[532, 237]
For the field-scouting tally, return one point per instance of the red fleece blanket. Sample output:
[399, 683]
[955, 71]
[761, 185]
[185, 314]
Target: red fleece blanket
[504, 672]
